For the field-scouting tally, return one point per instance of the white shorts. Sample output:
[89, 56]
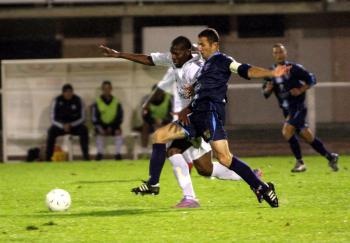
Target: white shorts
[193, 153]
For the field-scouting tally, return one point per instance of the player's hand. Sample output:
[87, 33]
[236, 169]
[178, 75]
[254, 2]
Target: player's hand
[183, 116]
[281, 70]
[295, 92]
[158, 122]
[108, 52]
[269, 86]
[66, 127]
[109, 130]
[188, 91]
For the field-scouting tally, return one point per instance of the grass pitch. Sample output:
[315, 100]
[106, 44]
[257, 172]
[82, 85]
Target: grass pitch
[314, 206]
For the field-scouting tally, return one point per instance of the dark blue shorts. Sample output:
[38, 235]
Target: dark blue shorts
[205, 124]
[297, 118]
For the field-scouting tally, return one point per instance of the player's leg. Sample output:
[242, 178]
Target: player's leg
[261, 189]
[52, 134]
[210, 126]
[202, 161]
[183, 177]
[100, 142]
[160, 137]
[118, 142]
[82, 132]
[288, 132]
[205, 167]
[318, 146]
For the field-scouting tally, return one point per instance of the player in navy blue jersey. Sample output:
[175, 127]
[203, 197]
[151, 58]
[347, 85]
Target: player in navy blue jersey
[205, 116]
[290, 91]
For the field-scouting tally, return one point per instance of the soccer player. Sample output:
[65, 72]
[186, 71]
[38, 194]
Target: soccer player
[181, 151]
[290, 91]
[107, 117]
[177, 131]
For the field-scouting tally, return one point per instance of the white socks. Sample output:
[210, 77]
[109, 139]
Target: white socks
[182, 175]
[99, 144]
[222, 172]
[118, 140]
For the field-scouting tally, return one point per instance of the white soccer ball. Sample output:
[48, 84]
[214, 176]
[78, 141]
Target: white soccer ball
[58, 200]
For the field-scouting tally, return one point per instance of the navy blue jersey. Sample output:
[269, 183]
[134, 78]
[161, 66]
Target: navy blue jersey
[211, 85]
[297, 77]
[67, 111]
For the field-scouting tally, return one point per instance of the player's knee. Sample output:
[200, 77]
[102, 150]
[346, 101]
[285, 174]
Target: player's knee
[173, 151]
[286, 134]
[157, 137]
[225, 159]
[202, 170]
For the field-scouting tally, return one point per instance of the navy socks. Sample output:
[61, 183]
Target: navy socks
[246, 173]
[295, 147]
[319, 147]
[157, 162]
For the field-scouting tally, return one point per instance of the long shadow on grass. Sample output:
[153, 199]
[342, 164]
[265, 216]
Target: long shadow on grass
[117, 212]
[106, 181]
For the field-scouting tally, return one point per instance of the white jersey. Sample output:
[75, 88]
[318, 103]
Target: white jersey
[178, 78]
[174, 82]
[168, 84]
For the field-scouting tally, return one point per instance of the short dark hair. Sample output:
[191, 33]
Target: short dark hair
[106, 82]
[211, 34]
[279, 45]
[182, 41]
[67, 87]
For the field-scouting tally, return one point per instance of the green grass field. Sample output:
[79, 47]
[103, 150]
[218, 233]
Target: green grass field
[314, 206]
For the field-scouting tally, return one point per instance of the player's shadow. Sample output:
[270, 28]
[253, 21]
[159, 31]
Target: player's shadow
[106, 181]
[113, 213]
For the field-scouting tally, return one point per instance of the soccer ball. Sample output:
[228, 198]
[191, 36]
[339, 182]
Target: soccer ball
[58, 200]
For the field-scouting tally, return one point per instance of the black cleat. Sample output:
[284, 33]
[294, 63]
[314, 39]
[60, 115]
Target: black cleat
[333, 162]
[146, 189]
[99, 157]
[270, 196]
[258, 194]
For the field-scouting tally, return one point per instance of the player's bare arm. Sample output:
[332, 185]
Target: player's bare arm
[258, 72]
[139, 58]
[247, 71]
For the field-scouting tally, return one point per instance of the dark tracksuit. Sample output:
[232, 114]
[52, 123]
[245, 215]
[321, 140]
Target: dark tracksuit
[71, 112]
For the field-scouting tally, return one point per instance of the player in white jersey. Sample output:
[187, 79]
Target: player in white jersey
[185, 67]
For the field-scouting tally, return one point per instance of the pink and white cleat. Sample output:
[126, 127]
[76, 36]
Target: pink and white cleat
[187, 203]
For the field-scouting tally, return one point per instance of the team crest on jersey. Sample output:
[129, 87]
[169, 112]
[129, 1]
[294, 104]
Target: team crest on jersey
[74, 107]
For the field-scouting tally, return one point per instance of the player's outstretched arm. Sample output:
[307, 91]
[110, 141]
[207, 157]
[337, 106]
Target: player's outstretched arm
[139, 58]
[247, 71]
[258, 72]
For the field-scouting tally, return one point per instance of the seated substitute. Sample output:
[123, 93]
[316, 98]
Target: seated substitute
[67, 117]
[107, 117]
[156, 112]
